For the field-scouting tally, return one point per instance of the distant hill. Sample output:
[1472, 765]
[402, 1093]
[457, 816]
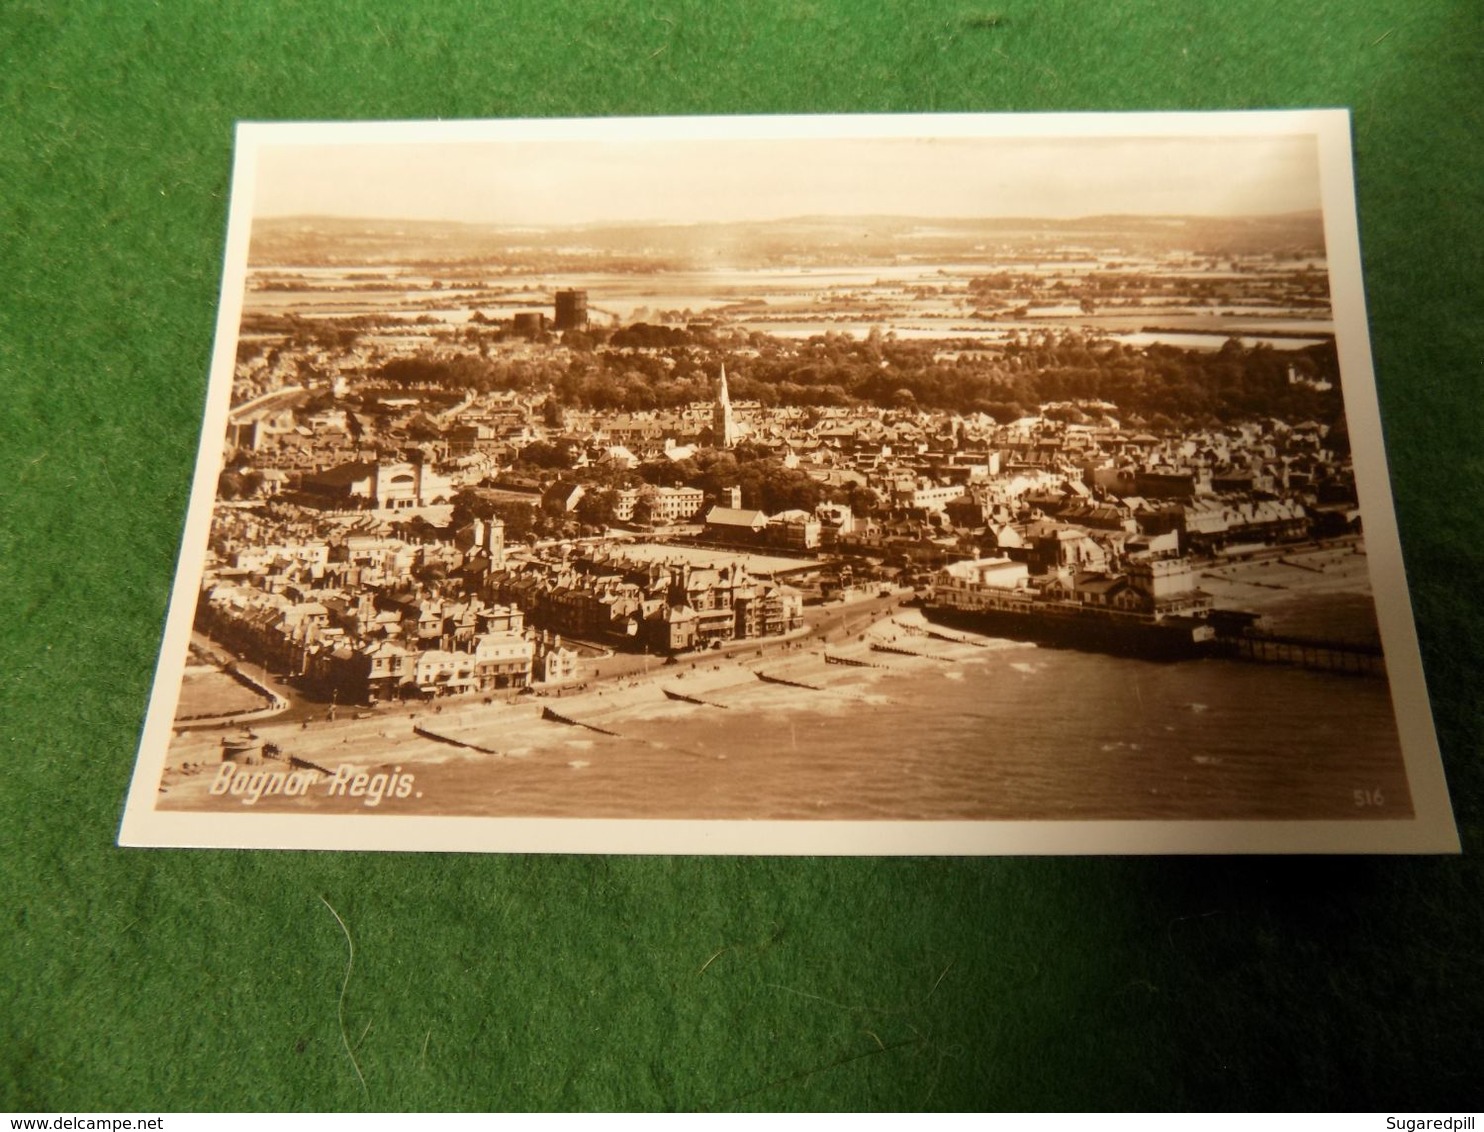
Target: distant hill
[795, 242]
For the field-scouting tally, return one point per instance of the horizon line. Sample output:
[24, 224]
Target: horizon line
[808, 216]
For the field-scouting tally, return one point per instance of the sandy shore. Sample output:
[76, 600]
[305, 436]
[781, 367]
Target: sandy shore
[403, 737]
[1268, 582]
[394, 738]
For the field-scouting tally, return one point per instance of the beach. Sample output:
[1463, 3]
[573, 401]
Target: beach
[521, 727]
[1312, 591]
[888, 719]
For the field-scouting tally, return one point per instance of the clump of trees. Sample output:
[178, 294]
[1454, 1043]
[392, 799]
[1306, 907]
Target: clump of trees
[524, 522]
[470, 372]
[766, 484]
[667, 369]
[239, 483]
[1189, 386]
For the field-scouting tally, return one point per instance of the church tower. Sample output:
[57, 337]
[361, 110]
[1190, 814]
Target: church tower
[495, 535]
[723, 427]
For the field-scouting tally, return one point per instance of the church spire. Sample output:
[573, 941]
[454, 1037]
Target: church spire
[723, 426]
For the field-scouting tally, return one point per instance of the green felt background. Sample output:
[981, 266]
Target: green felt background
[174, 980]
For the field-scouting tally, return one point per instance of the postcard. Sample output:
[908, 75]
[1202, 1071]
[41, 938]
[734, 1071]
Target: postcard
[962, 484]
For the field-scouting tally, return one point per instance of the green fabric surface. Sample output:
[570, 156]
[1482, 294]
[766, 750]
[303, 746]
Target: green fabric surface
[165, 980]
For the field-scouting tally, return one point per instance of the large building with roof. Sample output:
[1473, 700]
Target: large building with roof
[379, 485]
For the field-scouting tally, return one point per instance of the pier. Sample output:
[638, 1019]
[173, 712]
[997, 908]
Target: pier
[1306, 652]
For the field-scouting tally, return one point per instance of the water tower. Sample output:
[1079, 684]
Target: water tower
[571, 310]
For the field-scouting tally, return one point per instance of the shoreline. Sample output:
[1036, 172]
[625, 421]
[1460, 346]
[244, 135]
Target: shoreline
[1282, 588]
[405, 738]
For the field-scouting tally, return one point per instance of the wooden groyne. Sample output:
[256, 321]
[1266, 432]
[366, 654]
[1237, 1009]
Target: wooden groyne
[937, 635]
[1297, 565]
[878, 647]
[829, 658]
[1242, 581]
[766, 679]
[304, 764]
[681, 697]
[557, 717]
[418, 729]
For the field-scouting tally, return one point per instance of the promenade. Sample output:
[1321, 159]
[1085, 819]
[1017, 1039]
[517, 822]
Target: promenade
[513, 726]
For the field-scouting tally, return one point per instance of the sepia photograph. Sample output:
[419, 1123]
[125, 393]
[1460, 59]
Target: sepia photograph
[852, 485]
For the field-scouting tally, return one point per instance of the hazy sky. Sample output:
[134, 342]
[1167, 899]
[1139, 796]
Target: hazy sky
[532, 182]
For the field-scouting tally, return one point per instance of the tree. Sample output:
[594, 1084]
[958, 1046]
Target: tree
[595, 508]
[1068, 414]
[644, 507]
[522, 521]
[469, 505]
[542, 454]
[863, 501]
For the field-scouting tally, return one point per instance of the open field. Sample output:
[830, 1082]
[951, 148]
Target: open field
[705, 557]
[207, 692]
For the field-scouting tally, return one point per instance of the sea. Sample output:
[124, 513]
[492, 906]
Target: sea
[1002, 731]
[1019, 732]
